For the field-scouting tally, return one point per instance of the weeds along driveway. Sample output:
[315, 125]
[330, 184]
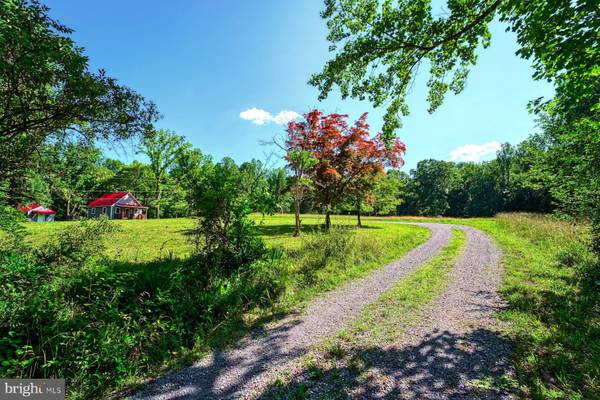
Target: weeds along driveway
[247, 369]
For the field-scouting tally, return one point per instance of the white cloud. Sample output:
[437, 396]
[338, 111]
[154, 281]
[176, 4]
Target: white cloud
[474, 152]
[285, 116]
[260, 116]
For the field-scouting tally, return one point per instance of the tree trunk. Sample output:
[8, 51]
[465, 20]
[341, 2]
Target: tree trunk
[297, 215]
[358, 207]
[158, 199]
[327, 219]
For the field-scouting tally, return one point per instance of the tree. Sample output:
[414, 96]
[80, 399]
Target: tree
[379, 47]
[162, 148]
[226, 238]
[345, 155]
[431, 182]
[299, 162]
[47, 89]
[386, 193]
[279, 196]
[73, 170]
[254, 180]
[189, 171]
[135, 177]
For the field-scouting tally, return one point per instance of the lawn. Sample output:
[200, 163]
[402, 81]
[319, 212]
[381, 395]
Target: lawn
[141, 241]
[137, 312]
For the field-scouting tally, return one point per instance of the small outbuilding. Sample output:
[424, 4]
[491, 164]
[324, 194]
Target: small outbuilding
[119, 205]
[37, 213]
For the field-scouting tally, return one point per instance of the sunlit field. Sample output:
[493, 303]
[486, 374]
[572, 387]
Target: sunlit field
[152, 239]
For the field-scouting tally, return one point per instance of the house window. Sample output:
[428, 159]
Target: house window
[93, 211]
[103, 210]
[117, 210]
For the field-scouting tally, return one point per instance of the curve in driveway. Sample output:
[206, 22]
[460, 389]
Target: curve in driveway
[455, 351]
[245, 370]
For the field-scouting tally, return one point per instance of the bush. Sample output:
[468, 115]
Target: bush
[44, 304]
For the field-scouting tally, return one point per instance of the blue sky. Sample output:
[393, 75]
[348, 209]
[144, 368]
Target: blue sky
[205, 62]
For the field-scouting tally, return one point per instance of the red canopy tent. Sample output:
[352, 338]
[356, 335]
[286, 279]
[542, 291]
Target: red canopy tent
[37, 213]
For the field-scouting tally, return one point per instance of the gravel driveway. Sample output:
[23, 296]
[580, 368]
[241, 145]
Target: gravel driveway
[243, 371]
[456, 351]
[437, 360]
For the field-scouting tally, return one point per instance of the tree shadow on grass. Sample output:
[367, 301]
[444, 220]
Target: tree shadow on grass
[442, 366]
[279, 230]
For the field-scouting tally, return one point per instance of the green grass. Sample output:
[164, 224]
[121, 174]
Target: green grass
[138, 240]
[552, 285]
[152, 320]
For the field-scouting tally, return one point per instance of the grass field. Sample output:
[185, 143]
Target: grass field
[146, 314]
[550, 282]
[149, 240]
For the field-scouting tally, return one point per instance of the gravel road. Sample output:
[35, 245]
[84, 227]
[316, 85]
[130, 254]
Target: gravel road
[245, 370]
[456, 350]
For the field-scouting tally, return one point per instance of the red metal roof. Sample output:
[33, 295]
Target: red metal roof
[36, 208]
[110, 199]
[107, 200]
[28, 207]
[43, 210]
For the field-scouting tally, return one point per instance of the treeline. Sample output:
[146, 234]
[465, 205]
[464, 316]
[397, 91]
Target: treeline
[514, 181]
[68, 174]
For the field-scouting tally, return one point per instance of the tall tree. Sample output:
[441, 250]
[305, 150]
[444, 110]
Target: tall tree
[345, 154]
[299, 161]
[386, 194]
[162, 148]
[189, 171]
[47, 89]
[431, 181]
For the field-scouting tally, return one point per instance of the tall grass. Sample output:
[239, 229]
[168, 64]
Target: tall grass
[552, 285]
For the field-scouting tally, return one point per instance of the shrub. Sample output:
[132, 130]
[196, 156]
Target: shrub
[44, 306]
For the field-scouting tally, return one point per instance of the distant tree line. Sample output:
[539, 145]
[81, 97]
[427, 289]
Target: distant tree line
[511, 182]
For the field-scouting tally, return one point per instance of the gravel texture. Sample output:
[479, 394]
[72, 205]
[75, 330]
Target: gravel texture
[456, 351]
[245, 370]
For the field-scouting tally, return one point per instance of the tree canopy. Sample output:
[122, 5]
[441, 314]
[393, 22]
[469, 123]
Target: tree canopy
[379, 46]
[47, 88]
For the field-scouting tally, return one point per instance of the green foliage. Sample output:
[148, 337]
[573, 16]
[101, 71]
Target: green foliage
[379, 46]
[163, 148]
[76, 246]
[386, 195]
[12, 231]
[47, 88]
[72, 170]
[226, 240]
[517, 180]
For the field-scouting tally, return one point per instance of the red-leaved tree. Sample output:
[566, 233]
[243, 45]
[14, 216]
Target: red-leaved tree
[346, 156]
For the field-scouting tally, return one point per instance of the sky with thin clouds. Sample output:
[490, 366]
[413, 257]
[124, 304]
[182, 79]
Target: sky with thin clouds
[230, 75]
